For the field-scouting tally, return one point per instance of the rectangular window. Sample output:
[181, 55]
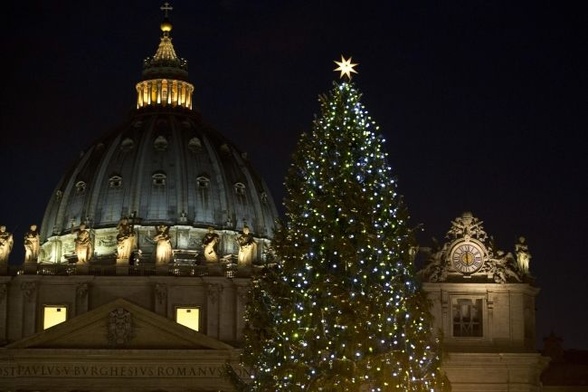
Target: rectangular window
[188, 317]
[467, 318]
[53, 315]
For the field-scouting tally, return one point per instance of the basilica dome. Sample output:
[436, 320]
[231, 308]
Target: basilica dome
[162, 166]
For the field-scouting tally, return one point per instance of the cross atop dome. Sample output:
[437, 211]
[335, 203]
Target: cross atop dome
[166, 25]
[166, 8]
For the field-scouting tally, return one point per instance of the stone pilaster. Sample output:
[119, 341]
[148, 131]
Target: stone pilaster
[227, 312]
[160, 300]
[81, 298]
[213, 291]
[29, 304]
[242, 299]
[3, 311]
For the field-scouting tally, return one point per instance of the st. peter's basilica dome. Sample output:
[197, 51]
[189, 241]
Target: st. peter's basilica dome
[163, 167]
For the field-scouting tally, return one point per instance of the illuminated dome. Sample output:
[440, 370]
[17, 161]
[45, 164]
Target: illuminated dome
[162, 166]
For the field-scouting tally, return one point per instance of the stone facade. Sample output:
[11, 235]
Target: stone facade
[120, 333]
[483, 304]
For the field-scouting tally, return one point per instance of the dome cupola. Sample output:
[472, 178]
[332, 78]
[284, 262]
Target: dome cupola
[165, 75]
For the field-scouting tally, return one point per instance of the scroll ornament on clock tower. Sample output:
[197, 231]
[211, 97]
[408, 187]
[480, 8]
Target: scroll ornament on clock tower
[470, 254]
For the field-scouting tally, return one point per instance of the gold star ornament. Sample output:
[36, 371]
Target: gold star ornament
[346, 67]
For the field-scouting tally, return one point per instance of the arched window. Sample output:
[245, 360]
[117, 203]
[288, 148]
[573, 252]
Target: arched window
[160, 143]
[115, 182]
[127, 144]
[225, 149]
[159, 179]
[202, 182]
[194, 144]
[240, 189]
[80, 187]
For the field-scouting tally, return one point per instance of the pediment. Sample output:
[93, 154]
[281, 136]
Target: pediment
[120, 324]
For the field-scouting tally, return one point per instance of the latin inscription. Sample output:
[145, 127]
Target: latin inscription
[114, 371]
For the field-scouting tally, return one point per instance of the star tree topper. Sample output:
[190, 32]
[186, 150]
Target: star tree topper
[346, 67]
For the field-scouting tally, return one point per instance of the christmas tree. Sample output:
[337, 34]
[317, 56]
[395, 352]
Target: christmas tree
[340, 308]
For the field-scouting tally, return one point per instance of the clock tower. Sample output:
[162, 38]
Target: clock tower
[483, 303]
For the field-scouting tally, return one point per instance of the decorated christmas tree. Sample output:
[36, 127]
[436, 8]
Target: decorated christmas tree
[339, 308]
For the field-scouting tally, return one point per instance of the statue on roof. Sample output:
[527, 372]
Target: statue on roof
[32, 244]
[247, 248]
[163, 248]
[209, 242]
[125, 239]
[523, 255]
[83, 244]
[6, 243]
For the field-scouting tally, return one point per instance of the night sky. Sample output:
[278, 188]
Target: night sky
[482, 105]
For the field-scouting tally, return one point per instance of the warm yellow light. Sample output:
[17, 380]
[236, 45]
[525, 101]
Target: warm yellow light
[53, 315]
[188, 317]
[346, 67]
[155, 92]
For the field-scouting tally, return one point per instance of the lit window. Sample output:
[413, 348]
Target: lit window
[53, 315]
[188, 317]
[467, 318]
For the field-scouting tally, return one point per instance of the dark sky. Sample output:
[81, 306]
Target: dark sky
[482, 104]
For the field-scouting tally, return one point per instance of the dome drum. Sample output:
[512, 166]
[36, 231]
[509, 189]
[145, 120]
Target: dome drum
[58, 253]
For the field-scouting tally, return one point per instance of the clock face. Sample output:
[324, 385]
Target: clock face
[467, 258]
